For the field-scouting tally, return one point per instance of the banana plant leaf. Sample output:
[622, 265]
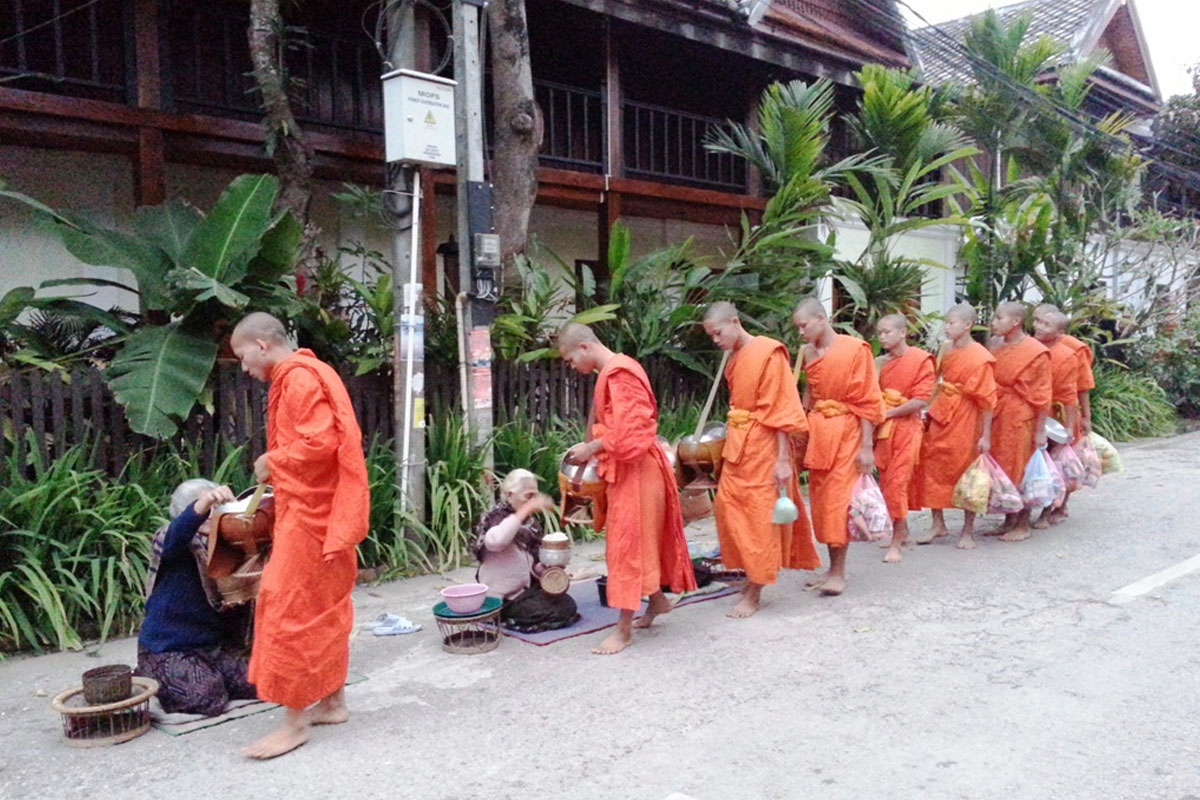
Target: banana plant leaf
[168, 226]
[159, 375]
[223, 243]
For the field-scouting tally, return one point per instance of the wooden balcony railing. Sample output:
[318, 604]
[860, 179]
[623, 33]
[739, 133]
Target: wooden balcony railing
[573, 126]
[664, 144]
[334, 79]
[64, 48]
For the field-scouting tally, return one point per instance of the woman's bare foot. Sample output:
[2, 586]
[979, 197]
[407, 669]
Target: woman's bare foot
[614, 643]
[659, 605]
[965, 542]
[833, 586]
[1017, 534]
[894, 556]
[284, 739]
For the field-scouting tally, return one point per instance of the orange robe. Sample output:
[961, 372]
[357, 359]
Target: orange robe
[1064, 377]
[844, 389]
[1022, 390]
[644, 548]
[1085, 380]
[763, 402]
[898, 441]
[966, 389]
[304, 616]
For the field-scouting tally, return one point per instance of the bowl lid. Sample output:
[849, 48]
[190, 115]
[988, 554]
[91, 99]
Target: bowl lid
[1056, 431]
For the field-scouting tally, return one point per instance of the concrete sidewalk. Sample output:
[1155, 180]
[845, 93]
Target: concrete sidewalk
[1004, 672]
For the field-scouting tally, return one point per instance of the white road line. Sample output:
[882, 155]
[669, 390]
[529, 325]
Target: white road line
[1151, 582]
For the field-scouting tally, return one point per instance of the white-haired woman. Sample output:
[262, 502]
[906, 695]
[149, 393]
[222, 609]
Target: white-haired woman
[506, 544]
[185, 643]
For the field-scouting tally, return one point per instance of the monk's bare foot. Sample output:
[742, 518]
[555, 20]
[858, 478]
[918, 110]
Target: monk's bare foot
[614, 643]
[1017, 534]
[966, 542]
[1042, 523]
[936, 532]
[894, 556]
[284, 740]
[834, 586]
[745, 608]
[328, 712]
[817, 582]
[1057, 515]
[658, 606]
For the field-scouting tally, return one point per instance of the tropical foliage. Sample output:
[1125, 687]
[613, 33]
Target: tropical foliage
[193, 273]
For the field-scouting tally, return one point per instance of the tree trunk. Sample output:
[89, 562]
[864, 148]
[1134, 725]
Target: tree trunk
[285, 141]
[518, 132]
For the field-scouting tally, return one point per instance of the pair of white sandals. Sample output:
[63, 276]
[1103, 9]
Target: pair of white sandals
[391, 625]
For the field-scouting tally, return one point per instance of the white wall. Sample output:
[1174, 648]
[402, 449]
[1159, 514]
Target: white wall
[96, 186]
[99, 187]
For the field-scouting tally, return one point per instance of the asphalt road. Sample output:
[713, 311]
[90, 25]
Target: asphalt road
[1010, 671]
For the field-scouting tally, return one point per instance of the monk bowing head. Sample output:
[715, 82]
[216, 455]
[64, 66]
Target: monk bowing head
[1043, 309]
[960, 319]
[1009, 317]
[811, 320]
[579, 346]
[1049, 326]
[260, 342]
[892, 331]
[723, 325]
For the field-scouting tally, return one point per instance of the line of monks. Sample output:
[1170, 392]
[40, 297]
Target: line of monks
[919, 419]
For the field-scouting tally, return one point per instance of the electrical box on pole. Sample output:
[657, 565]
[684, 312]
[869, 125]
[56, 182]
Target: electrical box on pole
[418, 111]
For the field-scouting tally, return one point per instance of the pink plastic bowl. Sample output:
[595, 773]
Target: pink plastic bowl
[465, 598]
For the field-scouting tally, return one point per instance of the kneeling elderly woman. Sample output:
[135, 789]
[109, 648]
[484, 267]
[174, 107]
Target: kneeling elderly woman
[185, 643]
[506, 544]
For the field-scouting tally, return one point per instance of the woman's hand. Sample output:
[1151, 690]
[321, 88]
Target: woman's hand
[213, 497]
[540, 502]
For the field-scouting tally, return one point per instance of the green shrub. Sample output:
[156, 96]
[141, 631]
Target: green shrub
[1127, 404]
[1172, 359]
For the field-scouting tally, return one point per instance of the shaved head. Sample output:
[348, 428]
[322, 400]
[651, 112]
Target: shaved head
[1012, 309]
[572, 335]
[896, 321]
[1056, 318]
[1044, 308]
[964, 312]
[721, 311]
[810, 307]
[260, 326]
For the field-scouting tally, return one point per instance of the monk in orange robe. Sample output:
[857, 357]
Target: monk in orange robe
[1048, 328]
[960, 421]
[1085, 379]
[644, 548]
[314, 460]
[844, 406]
[906, 376]
[757, 461]
[1022, 403]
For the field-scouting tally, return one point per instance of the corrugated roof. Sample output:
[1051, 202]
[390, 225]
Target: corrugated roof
[1064, 20]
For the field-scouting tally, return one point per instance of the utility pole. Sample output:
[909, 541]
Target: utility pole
[479, 248]
[408, 351]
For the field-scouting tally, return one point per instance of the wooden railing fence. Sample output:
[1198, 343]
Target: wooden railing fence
[44, 414]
